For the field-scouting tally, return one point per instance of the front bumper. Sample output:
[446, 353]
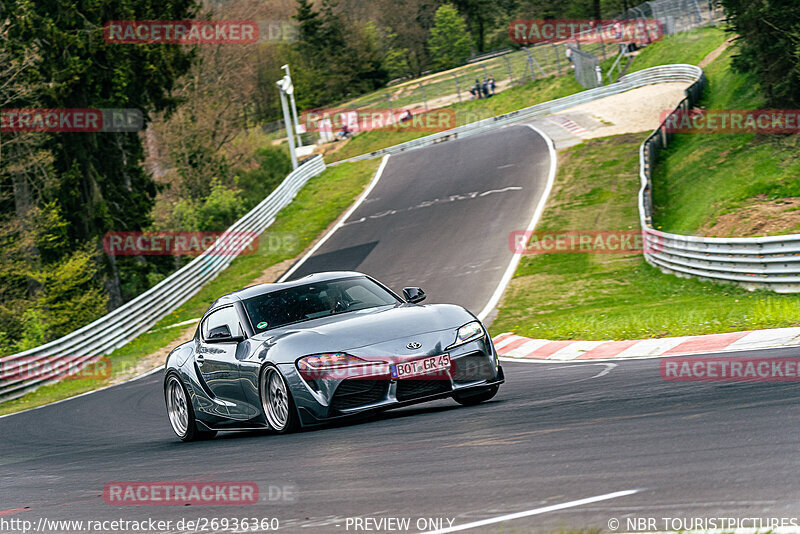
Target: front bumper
[473, 366]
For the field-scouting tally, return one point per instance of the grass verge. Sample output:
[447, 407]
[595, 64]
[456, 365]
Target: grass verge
[317, 205]
[685, 47]
[614, 296]
[703, 176]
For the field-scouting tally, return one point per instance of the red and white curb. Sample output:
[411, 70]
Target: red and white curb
[513, 347]
[568, 124]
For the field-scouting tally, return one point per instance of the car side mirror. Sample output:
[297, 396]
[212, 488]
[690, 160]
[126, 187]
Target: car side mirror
[222, 334]
[413, 294]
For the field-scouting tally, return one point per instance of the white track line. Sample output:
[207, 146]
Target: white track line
[339, 224]
[515, 259]
[535, 511]
[135, 378]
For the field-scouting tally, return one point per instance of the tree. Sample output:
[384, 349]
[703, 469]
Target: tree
[61, 192]
[411, 21]
[769, 46]
[97, 179]
[449, 42]
[479, 14]
[334, 59]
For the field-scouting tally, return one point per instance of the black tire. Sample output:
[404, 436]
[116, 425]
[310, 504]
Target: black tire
[472, 398]
[180, 411]
[277, 402]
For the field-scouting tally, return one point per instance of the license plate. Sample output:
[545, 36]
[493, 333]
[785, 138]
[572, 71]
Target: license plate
[421, 367]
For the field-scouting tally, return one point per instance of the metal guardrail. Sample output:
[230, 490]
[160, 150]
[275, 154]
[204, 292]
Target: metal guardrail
[771, 262]
[24, 371]
[668, 73]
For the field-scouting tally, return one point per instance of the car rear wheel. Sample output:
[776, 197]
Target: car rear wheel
[476, 397]
[276, 401]
[181, 413]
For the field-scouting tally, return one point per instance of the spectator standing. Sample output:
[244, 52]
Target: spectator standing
[492, 84]
[478, 88]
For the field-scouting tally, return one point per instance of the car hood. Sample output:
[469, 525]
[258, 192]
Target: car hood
[379, 328]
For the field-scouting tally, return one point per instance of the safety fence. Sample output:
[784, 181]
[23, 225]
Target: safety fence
[24, 371]
[666, 73]
[771, 262]
[538, 60]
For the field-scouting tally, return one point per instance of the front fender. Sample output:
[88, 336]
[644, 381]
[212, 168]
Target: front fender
[182, 363]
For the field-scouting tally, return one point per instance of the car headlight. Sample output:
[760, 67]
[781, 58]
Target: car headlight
[329, 360]
[468, 332]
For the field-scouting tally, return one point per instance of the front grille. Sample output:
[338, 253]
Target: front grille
[411, 389]
[354, 393]
[472, 368]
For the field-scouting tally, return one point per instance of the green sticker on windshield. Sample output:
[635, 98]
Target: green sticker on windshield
[262, 325]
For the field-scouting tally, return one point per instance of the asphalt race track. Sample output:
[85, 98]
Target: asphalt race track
[556, 432]
[441, 217]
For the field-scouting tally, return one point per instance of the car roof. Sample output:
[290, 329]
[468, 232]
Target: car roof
[261, 289]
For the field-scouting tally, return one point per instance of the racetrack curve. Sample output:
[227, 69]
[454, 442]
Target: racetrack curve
[556, 432]
[440, 217]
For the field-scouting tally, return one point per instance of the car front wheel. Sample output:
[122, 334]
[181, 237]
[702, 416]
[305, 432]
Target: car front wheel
[181, 413]
[276, 401]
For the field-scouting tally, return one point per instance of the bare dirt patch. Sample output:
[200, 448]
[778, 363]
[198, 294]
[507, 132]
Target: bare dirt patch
[758, 217]
[714, 54]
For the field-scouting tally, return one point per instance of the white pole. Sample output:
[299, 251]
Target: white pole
[294, 108]
[288, 121]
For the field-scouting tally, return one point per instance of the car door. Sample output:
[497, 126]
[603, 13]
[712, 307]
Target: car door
[216, 358]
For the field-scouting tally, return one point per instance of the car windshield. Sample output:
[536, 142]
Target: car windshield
[311, 301]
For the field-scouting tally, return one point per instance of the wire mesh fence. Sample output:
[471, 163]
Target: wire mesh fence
[514, 67]
[586, 66]
[678, 15]
[444, 88]
[501, 70]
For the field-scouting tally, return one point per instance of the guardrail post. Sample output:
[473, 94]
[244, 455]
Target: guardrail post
[510, 74]
[558, 58]
[458, 86]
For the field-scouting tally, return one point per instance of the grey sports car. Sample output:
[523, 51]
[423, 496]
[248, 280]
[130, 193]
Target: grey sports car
[330, 345]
